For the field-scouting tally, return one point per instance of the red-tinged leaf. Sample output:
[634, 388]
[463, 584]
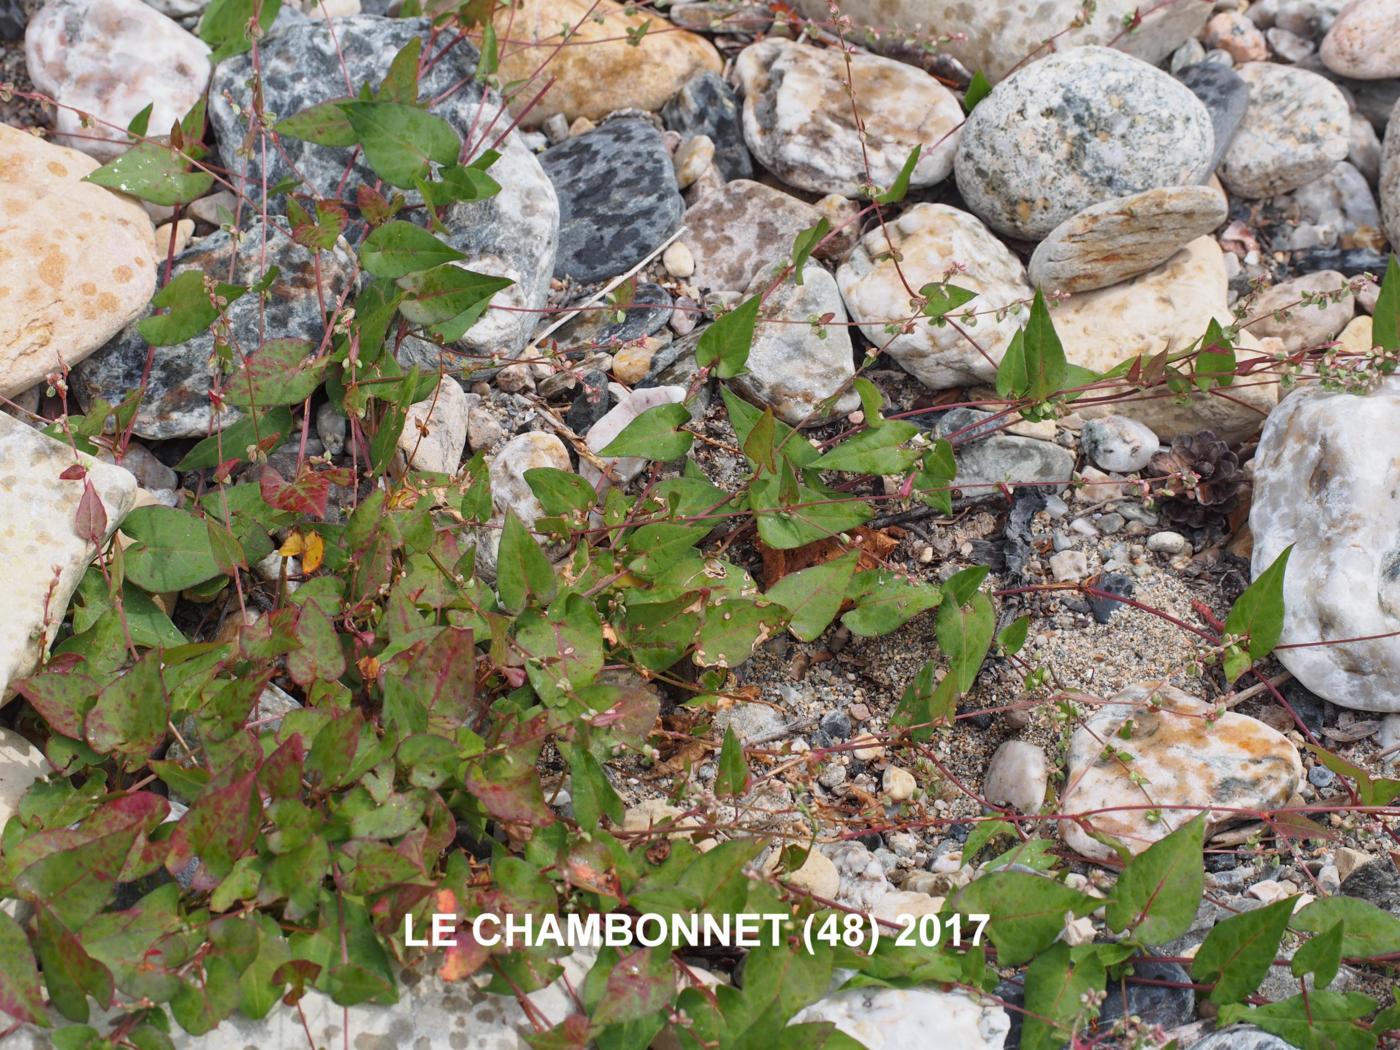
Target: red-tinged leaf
[20, 995]
[130, 715]
[434, 686]
[281, 771]
[62, 696]
[308, 494]
[639, 985]
[90, 522]
[218, 829]
[464, 958]
[74, 473]
[511, 799]
[632, 715]
[572, 1033]
[320, 657]
[70, 973]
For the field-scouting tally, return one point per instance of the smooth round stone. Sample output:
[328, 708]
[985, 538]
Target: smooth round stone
[930, 239]
[1016, 776]
[1295, 129]
[1236, 35]
[618, 198]
[799, 123]
[21, 763]
[706, 105]
[1327, 484]
[899, 1018]
[987, 463]
[1121, 238]
[1157, 1005]
[1242, 1037]
[111, 59]
[1075, 129]
[739, 229]
[1225, 96]
[1285, 313]
[1118, 443]
[1364, 41]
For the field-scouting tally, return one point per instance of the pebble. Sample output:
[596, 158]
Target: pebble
[1162, 1006]
[1377, 882]
[111, 59]
[173, 238]
[1075, 129]
[797, 117]
[624, 469]
[1118, 444]
[1280, 311]
[21, 763]
[1326, 486]
[606, 66]
[794, 368]
[618, 198]
[899, 784]
[1016, 776]
[42, 556]
[1069, 565]
[511, 492]
[331, 427]
[76, 266]
[1364, 149]
[1225, 96]
[707, 106]
[435, 434]
[1120, 238]
[695, 155]
[1295, 129]
[900, 1018]
[1234, 33]
[929, 239]
[1289, 47]
[989, 460]
[1364, 41]
[1168, 543]
[1240, 764]
[679, 262]
[817, 876]
[1242, 1037]
[1349, 860]
[740, 229]
[1339, 205]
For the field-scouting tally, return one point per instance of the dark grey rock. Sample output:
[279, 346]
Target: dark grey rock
[1156, 1004]
[708, 106]
[986, 460]
[1349, 261]
[1377, 882]
[512, 234]
[646, 314]
[1226, 97]
[176, 402]
[1113, 583]
[1321, 776]
[675, 365]
[1242, 1037]
[618, 198]
[13, 19]
[591, 403]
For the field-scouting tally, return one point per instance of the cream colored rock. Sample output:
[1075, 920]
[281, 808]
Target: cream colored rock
[1234, 33]
[899, 906]
[1167, 308]
[1356, 337]
[622, 469]
[899, 784]
[599, 70]
[740, 229]
[1295, 130]
[1181, 764]
[111, 59]
[1118, 239]
[77, 262]
[931, 239]
[633, 361]
[1364, 41]
[799, 121]
[1017, 774]
[904, 1018]
[817, 876]
[21, 763]
[173, 237]
[1303, 313]
[42, 555]
[511, 492]
[435, 433]
[1327, 482]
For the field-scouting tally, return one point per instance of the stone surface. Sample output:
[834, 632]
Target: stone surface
[902, 1018]
[435, 434]
[1156, 1005]
[799, 122]
[740, 229]
[1233, 33]
[694, 156]
[996, 35]
[987, 459]
[111, 59]
[794, 367]
[21, 763]
[899, 784]
[1389, 189]
[77, 262]
[817, 875]
[1016, 776]
[1226, 97]
[1364, 41]
[1165, 308]
[42, 556]
[1121, 238]
[1242, 1037]
[618, 198]
[1295, 129]
[1186, 765]
[1338, 210]
[601, 69]
[512, 234]
[176, 403]
[1304, 312]
[1324, 483]
[623, 469]
[1118, 443]
[1075, 129]
[1377, 882]
[706, 105]
[931, 239]
[511, 492]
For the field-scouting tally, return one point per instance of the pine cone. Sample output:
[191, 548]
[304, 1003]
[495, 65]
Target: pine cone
[1204, 481]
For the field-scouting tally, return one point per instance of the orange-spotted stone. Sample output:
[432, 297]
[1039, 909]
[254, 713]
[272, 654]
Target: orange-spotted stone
[1147, 762]
[77, 262]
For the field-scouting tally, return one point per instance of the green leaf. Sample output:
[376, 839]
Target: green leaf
[804, 244]
[153, 172]
[444, 293]
[1321, 956]
[560, 492]
[279, 372]
[400, 84]
[593, 794]
[324, 124]
[729, 339]
[885, 602]
[1012, 638]
[522, 570]
[978, 88]
[942, 297]
[1370, 931]
[1372, 791]
[172, 550]
[1239, 951]
[1257, 617]
[874, 450]
[1320, 1020]
[733, 776]
[1012, 379]
[1215, 361]
[401, 142]
[965, 634]
[264, 429]
[224, 26]
[813, 596]
[654, 435]
[20, 996]
[1160, 889]
[1385, 322]
[1027, 911]
[189, 309]
[900, 187]
[399, 248]
[129, 716]
[927, 703]
[1056, 985]
[1046, 366]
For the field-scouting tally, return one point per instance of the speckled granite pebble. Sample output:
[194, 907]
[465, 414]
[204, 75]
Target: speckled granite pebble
[1364, 41]
[708, 106]
[740, 229]
[1294, 130]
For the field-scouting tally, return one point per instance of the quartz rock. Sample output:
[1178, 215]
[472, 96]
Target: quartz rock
[931, 239]
[1364, 41]
[42, 555]
[1242, 1037]
[1185, 765]
[1117, 443]
[1326, 485]
[111, 59]
[21, 763]
[622, 469]
[799, 123]
[1078, 128]
[1390, 178]
[1295, 129]
[510, 492]
[1281, 312]
[1017, 775]
[1117, 239]
[740, 229]
[77, 262]
[902, 1018]
[435, 434]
